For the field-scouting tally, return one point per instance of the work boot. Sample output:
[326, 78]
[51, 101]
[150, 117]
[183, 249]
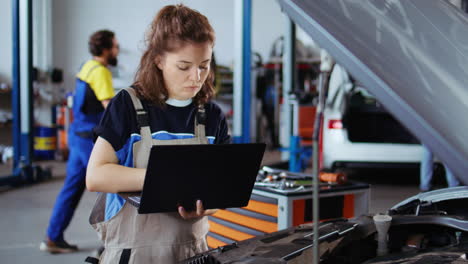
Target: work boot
[56, 247]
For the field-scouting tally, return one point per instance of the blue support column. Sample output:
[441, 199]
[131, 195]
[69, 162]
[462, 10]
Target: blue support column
[16, 86]
[23, 169]
[242, 73]
[15, 177]
[246, 70]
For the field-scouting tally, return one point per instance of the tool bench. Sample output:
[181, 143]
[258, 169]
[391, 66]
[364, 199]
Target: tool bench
[271, 209]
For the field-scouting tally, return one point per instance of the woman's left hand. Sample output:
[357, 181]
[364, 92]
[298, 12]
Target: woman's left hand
[197, 213]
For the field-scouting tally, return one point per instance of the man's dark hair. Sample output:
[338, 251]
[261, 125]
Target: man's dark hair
[99, 41]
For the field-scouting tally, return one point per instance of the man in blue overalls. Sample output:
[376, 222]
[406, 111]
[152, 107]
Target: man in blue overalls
[93, 92]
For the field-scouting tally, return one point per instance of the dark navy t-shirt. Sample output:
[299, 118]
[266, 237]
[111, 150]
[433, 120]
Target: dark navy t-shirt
[171, 122]
[119, 127]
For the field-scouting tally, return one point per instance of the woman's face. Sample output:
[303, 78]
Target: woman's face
[185, 70]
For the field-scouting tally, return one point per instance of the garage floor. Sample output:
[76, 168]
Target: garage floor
[25, 213]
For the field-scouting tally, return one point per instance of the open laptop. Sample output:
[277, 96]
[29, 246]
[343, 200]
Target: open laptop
[220, 175]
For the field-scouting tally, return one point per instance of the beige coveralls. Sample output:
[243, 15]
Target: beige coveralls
[130, 237]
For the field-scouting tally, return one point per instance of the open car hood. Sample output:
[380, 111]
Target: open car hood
[411, 55]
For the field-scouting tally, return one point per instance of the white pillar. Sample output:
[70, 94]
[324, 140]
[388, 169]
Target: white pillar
[288, 85]
[238, 60]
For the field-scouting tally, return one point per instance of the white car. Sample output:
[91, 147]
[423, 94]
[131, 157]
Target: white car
[359, 132]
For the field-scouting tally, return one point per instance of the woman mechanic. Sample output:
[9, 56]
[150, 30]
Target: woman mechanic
[173, 85]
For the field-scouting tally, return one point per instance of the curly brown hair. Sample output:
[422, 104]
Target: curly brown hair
[173, 27]
[99, 41]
